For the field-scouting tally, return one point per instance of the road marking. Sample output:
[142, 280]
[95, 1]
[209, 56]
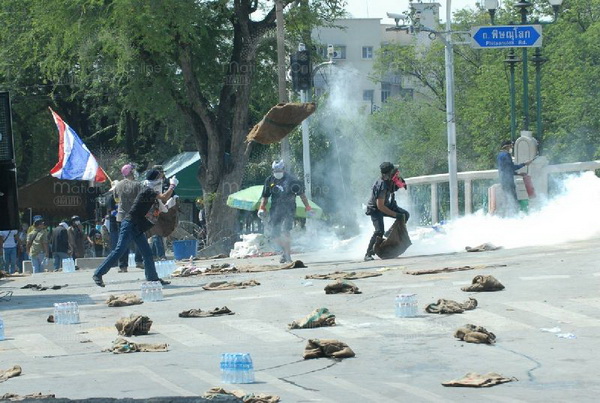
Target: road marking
[551, 312]
[353, 388]
[158, 379]
[488, 319]
[261, 296]
[188, 335]
[422, 394]
[352, 331]
[37, 345]
[261, 330]
[205, 376]
[300, 395]
[548, 277]
[100, 336]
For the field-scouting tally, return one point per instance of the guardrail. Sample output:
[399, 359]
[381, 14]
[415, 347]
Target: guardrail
[491, 174]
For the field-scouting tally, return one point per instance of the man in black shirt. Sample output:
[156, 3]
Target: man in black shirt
[141, 217]
[282, 188]
[60, 244]
[383, 203]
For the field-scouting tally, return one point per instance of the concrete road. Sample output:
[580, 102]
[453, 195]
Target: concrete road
[396, 359]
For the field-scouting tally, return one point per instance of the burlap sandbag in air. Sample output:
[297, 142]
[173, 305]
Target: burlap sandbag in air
[167, 222]
[395, 244]
[279, 122]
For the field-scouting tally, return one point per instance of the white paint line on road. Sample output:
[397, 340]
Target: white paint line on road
[353, 388]
[261, 330]
[261, 296]
[551, 312]
[423, 395]
[37, 345]
[350, 330]
[298, 394]
[158, 379]
[548, 277]
[188, 335]
[491, 320]
[101, 336]
[205, 376]
[504, 399]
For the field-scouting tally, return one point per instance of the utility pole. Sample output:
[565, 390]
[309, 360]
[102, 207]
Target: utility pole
[450, 115]
[281, 70]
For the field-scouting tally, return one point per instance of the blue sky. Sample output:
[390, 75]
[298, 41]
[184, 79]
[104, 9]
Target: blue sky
[378, 8]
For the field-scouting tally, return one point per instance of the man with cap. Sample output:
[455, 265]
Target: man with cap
[124, 193]
[507, 170]
[60, 244]
[142, 216]
[282, 188]
[37, 245]
[383, 203]
[77, 238]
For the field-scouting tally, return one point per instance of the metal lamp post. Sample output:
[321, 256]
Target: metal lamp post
[523, 7]
[512, 60]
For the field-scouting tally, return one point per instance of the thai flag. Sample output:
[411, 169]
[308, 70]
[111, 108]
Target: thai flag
[75, 161]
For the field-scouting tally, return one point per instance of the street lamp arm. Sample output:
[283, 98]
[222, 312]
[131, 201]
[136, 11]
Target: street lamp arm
[321, 65]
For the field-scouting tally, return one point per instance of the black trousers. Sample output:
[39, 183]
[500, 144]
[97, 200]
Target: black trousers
[377, 220]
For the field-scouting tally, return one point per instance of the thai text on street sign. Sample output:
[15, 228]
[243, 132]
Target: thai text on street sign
[506, 36]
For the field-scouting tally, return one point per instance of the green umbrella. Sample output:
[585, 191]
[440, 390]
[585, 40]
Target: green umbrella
[249, 199]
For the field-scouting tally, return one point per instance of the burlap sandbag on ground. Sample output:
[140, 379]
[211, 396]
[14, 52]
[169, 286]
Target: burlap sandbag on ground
[342, 287]
[318, 318]
[483, 247]
[342, 275]
[199, 313]
[280, 121]
[475, 334]
[123, 300]
[449, 306]
[229, 285]
[474, 380]
[484, 283]
[167, 222]
[10, 373]
[330, 348]
[217, 393]
[121, 345]
[395, 244]
[135, 325]
[452, 269]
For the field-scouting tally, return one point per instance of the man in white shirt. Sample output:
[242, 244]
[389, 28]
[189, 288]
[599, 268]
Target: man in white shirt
[9, 248]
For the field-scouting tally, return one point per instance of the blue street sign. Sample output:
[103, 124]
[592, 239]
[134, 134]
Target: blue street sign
[507, 36]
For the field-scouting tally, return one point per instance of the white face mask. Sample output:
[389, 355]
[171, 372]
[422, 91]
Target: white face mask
[155, 184]
[278, 175]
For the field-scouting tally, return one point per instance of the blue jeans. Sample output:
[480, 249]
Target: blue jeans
[10, 260]
[158, 246]
[37, 262]
[127, 234]
[58, 257]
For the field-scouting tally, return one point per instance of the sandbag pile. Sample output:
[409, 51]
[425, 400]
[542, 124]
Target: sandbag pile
[218, 393]
[450, 306]
[475, 334]
[330, 348]
[484, 283]
[123, 300]
[342, 287]
[199, 313]
[229, 285]
[318, 318]
[121, 346]
[344, 275]
[474, 380]
[135, 325]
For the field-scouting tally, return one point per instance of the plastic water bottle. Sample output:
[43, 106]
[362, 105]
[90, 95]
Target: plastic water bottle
[406, 306]
[157, 291]
[144, 292]
[131, 261]
[73, 312]
[57, 314]
[248, 369]
[1, 329]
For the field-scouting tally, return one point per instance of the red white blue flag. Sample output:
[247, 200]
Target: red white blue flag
[75, 161]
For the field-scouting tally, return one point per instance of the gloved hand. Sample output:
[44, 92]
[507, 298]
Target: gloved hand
[309, 212]
[261, 213]
[174, 181]
[400, 216]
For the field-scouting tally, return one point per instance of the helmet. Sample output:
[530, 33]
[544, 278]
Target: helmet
[278, 166]
[127, 169]
[152, 174]
[75, 218]
[36, 218]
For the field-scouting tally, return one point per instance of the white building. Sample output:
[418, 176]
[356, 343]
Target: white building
[356, 42]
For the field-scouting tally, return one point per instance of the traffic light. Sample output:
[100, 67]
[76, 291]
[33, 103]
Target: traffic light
[9, 208]
[301, 71]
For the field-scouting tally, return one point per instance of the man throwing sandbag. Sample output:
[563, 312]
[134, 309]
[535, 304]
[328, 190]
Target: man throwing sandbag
[383, 203]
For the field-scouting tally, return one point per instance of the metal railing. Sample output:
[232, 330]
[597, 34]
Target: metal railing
[469, 177]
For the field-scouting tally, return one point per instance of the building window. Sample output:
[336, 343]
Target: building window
[386, 91]
[367, 52]
[368, 95]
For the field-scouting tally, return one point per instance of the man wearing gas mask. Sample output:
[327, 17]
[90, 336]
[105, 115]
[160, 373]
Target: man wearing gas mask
[383, 203]
[142, 216]
[282, 188]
